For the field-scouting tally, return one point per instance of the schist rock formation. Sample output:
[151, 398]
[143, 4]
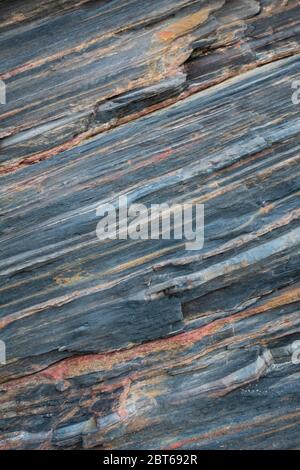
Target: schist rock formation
[142, 344]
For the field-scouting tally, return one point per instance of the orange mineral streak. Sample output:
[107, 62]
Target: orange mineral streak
[85, 364]
[184, 25]
[122, 410]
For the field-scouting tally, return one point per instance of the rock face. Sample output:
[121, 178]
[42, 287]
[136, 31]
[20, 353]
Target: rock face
[142, 344]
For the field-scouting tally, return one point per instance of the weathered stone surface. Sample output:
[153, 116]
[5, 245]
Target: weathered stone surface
[142, 344]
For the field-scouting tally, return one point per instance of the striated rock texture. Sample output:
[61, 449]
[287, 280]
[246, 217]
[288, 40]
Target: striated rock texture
[139, 344]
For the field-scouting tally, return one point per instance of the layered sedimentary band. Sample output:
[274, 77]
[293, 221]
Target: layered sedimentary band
[131, 344]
